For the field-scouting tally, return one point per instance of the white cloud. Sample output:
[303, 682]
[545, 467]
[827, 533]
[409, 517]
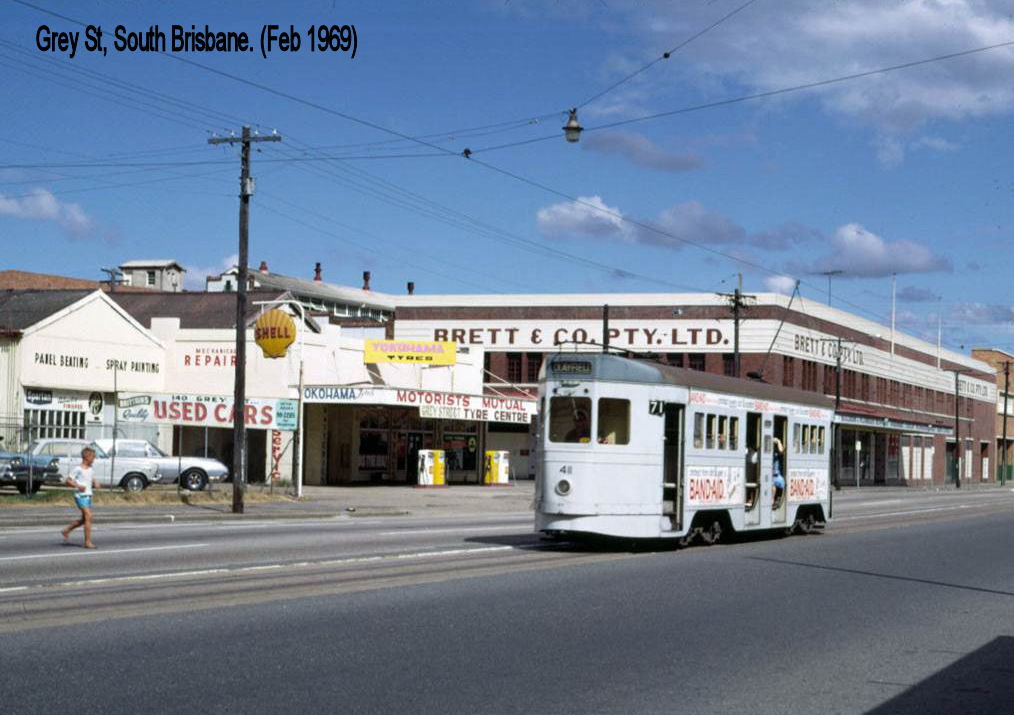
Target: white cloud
[41, 205]
[195, 277]
[794, 42]
[863, 254]
[588, 216]
[780, 284]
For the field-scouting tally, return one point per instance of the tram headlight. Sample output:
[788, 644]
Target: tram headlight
[563, 487]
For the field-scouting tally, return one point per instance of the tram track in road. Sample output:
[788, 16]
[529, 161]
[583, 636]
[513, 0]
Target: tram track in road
[95, 600]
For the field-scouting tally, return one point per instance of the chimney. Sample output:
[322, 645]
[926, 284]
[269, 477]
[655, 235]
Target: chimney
[264, 267]
[316, 272]
[366, 280]
[411, 287]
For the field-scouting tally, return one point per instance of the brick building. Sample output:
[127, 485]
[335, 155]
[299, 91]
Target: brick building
[1002, 362]
[899, 397]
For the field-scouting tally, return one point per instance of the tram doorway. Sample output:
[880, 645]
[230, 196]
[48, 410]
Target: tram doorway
[778, 500]
[672, 464]
[752, 440]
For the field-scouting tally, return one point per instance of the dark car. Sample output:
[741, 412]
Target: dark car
[27, 471]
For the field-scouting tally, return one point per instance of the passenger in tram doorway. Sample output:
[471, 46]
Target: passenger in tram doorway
[778, 467]
[581, 431]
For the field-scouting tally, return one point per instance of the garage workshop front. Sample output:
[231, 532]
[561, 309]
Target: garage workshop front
[364, 435]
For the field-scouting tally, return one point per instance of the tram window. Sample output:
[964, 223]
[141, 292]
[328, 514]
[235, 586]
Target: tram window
[710, 443]
[813, 440]
[806, 439]
[820, 440]
[698, 430]
[734, 433]
[723, 433]
[795, 437]
[570, 419]
[614, 421]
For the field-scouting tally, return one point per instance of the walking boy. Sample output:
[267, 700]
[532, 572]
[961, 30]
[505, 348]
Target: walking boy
[82, 480]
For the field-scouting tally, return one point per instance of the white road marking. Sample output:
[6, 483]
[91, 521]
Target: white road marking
[901, 513]
[266, 567]
[93, 552]
[407, 532]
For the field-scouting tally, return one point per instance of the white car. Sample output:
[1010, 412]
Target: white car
[194, 473]
[133, 475]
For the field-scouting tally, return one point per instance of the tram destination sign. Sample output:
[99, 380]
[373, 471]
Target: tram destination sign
[571, 367]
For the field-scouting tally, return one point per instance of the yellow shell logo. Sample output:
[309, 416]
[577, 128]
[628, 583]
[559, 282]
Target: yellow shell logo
[274, 332]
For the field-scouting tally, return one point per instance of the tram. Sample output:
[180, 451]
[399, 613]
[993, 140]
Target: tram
[634, 449]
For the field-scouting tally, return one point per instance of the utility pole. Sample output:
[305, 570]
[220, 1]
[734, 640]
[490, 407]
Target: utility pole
[957, 431]
[246, 190]
[738, 303]
[1006, 387]
[829, 274]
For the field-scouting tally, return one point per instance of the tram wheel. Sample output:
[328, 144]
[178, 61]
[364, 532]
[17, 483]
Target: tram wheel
[713, 534]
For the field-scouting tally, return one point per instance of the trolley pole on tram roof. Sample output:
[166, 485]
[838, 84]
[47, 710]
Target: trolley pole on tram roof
[246, 190]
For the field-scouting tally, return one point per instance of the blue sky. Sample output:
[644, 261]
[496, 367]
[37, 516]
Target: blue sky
[906, 172]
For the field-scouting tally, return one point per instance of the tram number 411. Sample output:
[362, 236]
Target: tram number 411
[656, 407]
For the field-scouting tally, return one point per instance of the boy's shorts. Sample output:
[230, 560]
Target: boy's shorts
[83, 501]
[779, 482]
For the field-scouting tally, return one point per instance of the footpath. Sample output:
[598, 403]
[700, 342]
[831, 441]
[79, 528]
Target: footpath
[316, 503]
[370, 501]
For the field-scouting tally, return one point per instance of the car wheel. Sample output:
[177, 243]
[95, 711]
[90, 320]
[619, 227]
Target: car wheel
[134, 483]
[194, 480]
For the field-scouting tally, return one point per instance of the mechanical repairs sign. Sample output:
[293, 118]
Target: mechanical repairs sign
[205, 410]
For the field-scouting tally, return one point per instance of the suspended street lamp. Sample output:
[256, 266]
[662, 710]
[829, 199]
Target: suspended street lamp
[572, 129]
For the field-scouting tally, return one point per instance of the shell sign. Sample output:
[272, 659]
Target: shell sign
[274, 332]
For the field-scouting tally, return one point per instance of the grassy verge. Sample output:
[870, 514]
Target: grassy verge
[57, 496]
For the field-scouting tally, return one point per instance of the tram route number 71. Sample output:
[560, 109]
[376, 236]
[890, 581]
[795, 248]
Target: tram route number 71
[656, 407]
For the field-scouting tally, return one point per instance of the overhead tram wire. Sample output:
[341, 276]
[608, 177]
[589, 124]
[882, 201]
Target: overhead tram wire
[413, 201]
[367, 123]
[750, 97]
[666, 55]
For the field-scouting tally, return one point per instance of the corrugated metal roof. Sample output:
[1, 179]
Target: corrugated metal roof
[195, 311]
[21, 309]
[153, 263]
[324, 291]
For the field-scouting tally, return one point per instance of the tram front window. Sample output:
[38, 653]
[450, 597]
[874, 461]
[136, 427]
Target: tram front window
[570, 419]
[614, 421]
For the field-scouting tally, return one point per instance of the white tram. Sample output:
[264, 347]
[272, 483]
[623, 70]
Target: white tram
[635, 449]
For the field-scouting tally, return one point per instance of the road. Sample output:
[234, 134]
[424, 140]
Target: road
[905, 604]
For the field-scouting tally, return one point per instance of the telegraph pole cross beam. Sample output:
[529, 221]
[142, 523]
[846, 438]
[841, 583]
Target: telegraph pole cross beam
[246, 190]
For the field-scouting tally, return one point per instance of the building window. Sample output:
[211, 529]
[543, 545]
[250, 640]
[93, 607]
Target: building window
[534, 363]
[514, 367]
[829, 379]
[729, 364]
[788, 371]
[676, 360]
[809, 375]
[151, 278]
[486, 364]
[696, 361]
[864, 387]
[228, 286]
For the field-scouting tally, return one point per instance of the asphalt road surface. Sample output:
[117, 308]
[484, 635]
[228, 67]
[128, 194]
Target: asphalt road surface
[904, 605]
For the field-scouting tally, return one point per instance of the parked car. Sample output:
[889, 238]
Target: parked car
[132, 474]
[194, 473]
[20, 470]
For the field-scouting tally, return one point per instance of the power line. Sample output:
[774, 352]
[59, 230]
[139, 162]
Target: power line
[666, 55]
